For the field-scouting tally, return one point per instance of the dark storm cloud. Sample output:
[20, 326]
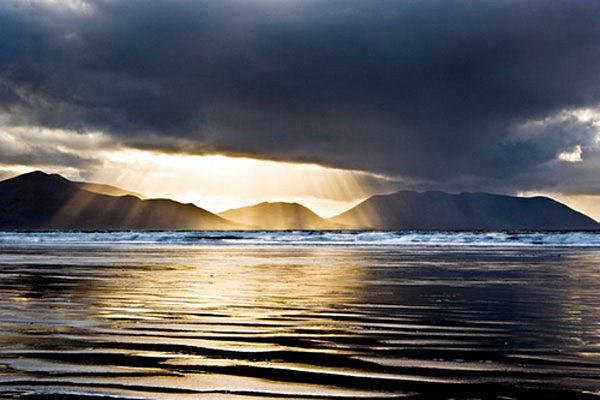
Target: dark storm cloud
[452, 94]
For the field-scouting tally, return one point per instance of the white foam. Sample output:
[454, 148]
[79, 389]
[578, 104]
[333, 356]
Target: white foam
[331, 238]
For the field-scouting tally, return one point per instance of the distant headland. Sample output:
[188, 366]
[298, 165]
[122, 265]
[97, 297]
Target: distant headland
[39, 201]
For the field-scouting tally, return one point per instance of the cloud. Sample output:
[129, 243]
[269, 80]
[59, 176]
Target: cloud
[49, 148]
[459, 95]
[571, 156]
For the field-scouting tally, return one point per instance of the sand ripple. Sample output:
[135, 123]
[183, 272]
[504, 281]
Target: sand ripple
[162, 322]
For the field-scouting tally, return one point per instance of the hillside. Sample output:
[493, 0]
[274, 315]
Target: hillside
[278, 216]
[444, 211]
[108, 190]
[40, 201]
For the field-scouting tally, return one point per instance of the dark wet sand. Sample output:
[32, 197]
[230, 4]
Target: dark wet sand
[302, 322]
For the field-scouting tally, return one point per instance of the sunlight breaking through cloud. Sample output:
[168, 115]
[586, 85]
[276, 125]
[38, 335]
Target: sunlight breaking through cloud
[218, 182]
[573, 155]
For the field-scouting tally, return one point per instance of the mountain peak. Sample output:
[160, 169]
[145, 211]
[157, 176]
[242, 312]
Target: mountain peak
[37, 176]
[36, 180]
[278, 216]
[38, 200]
[436, 210]
[281, 204]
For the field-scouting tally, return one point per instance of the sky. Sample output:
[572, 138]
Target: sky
[228, 103]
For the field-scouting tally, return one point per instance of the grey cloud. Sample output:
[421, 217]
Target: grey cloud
[41, 156]
[439, 93]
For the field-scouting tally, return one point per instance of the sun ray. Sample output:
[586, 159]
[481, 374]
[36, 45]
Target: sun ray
[218, 182]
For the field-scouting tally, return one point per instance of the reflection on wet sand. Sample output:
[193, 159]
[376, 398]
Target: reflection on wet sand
[302, 322]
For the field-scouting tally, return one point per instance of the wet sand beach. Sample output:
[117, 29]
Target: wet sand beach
[304, 322]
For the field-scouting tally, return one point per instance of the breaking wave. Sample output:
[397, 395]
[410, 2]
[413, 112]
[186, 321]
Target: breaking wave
[313, 238]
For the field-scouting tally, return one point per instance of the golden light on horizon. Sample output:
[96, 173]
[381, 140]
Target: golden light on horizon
[218, 182]
[211, 181]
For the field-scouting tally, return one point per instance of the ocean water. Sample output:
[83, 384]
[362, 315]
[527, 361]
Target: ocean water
[302, 315]
[313, 238]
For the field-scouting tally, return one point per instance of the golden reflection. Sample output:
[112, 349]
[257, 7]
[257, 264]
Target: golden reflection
[224, 291]
[297, 320]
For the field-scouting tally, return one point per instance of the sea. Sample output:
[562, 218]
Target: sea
[300, 315]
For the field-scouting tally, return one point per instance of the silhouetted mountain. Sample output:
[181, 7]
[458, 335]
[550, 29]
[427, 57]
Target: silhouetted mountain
[278, 216]
[108, 190]
[443, 211]
[41, 201]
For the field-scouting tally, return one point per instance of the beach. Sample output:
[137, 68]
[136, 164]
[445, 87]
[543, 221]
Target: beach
[151, 319]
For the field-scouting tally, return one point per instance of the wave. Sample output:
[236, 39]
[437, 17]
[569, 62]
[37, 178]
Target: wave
[588, 239]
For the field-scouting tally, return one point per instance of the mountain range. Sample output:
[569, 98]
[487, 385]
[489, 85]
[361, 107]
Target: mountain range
[465, 211]
[38, 200]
